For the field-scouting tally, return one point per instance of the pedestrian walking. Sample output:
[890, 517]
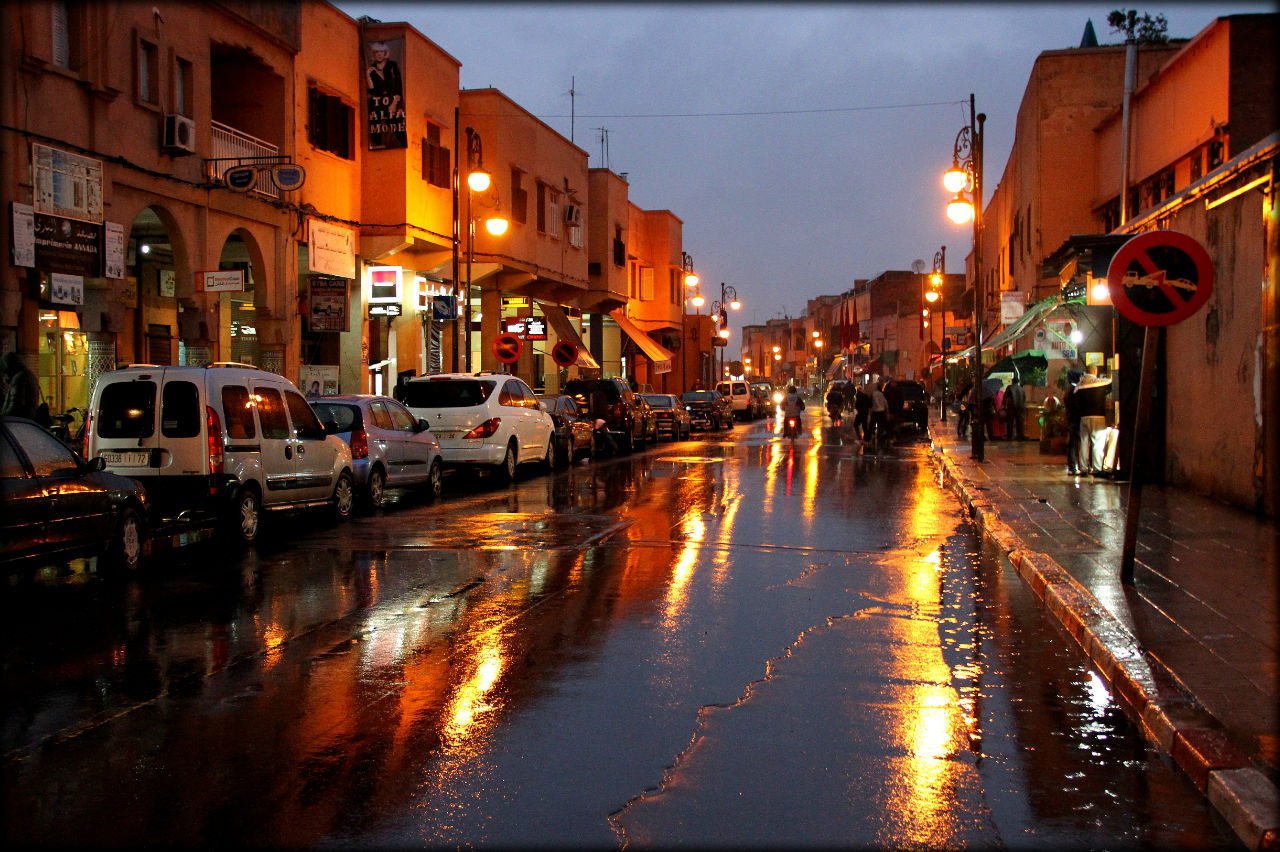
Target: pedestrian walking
[879, 414]
[862, 412]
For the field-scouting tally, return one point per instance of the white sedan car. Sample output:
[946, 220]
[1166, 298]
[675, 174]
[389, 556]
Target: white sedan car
[489, 420]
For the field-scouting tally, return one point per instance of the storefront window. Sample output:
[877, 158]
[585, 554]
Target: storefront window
[64, 361]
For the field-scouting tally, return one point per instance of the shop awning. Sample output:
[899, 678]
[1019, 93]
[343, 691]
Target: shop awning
[565, 331]
[836, 364]
[656, 352]
[1015, 329]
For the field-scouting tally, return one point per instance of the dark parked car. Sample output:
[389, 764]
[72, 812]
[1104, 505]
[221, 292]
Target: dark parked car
[612, 401]
[915, 405]
[648, 419]
[672, 417]
[57, 505]
[708, 409]
[390, 448]
[574, 431]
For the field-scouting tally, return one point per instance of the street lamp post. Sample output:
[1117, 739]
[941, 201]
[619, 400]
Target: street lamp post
[478, 180]
[690, 280]
[965, 175]
[720, 316]
[938, 280]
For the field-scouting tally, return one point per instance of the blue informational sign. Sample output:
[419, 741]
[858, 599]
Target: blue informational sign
[444, 307]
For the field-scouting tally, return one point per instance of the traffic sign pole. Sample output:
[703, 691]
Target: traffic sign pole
[1146, 385]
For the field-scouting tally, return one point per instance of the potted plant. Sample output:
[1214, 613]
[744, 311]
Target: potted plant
[1053, 426]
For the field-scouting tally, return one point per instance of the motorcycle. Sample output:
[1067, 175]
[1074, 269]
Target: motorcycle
[791, 427]
[835, 411]
[61, 429]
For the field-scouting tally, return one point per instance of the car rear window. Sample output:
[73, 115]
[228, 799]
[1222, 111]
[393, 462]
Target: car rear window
[127, 410]
[180, 414]
[338, 416]
[659, 401]
[700, 396]
[581, 390]
[447, 393]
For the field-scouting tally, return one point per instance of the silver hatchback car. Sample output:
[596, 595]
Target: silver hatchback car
[390, 448]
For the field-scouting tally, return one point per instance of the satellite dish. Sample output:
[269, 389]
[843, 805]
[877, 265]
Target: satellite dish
[918, 266]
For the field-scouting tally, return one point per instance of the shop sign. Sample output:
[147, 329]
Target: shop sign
[535, 328]
[384, 86]
[66, 184]
[220, 281]
[24, 234]
[112, 250]
[66, 289]
[67, 245]
[331, 249]
[327, 303]
[1013, 304]
[385, 311]
[384, 285]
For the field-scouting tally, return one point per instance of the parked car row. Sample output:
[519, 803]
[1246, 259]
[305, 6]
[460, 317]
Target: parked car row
[224, 444]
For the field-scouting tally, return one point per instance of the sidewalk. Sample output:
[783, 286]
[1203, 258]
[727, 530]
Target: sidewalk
[1192, 649]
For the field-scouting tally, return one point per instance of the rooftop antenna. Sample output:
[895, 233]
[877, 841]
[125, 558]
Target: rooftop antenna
[572, 104]
[604, 145]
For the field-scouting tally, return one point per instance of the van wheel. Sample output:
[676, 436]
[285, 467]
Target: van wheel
[435, 480]
[505, 470]
[125, 550]
[375, 489]
[245, 517]
[344, 497]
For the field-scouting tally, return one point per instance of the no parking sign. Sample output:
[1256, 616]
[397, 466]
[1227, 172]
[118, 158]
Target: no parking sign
[1160, 278]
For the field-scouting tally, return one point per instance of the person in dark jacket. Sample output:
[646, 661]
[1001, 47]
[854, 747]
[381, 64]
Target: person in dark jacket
[22, 397]
[1015, 405]
[1072, 402]
[862, 412]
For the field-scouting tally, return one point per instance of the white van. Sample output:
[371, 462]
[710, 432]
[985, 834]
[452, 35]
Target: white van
[739, 396]
[221, 442]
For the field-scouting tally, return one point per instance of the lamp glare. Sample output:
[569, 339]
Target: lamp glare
[691, 280]
[735, 304]
[478, 180]
[954, 179]
[496, 226]
[959, 211]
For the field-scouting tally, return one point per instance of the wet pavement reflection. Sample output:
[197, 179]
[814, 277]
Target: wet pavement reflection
[737, 639]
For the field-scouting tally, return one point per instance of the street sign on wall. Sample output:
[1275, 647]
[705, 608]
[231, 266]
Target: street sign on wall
[1159, 278]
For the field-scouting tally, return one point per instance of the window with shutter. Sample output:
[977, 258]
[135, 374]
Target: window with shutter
[329, 123]
[61, 35]
[435, 158]
[646, 284]
[542, 208]
[519, 198]
[554, 213]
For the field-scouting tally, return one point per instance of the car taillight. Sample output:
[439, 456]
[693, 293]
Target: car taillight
[359, 444]
[619, 409]
[485, 429]
[663, 415]
[213, 425]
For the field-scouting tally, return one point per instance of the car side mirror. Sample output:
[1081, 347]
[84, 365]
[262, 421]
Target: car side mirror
[423, 425]
[96, 464]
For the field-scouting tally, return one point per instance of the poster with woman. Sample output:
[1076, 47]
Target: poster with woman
[385, 88]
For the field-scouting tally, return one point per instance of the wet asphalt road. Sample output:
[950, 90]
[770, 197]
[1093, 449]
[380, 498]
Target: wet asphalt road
[726, 641]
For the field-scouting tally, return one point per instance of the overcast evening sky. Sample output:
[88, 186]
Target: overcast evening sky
[801, 144]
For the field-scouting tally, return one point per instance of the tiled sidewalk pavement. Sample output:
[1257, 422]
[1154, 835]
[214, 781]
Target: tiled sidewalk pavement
[1192, 649]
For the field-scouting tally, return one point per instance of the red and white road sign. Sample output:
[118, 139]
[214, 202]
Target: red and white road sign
[507, 348]
[1160, 278]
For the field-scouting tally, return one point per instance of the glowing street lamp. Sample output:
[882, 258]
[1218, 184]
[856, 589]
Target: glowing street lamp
[965, 176]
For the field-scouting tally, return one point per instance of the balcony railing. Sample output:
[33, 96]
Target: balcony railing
[230, 148]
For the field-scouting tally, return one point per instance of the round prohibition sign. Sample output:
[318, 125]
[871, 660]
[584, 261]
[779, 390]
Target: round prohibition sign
[507, 347]
[564, 353]
[1160, 278]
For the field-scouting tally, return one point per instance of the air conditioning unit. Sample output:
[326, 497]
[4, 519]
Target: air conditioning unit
[573, 214]
[179, 134]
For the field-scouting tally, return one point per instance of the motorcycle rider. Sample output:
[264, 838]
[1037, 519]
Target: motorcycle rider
[793, 405]
[835, 402]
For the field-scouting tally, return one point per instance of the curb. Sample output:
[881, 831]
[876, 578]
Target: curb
[1149, 692]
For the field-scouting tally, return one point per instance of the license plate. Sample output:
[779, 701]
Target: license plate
[134, 458]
